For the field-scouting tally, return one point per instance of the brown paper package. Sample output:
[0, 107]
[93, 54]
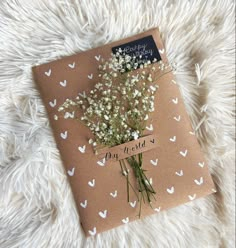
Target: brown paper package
[176, 167]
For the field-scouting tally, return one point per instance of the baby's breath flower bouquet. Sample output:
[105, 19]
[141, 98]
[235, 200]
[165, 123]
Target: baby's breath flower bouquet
[116, 111]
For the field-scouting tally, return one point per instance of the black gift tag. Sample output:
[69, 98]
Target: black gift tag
[143, 49]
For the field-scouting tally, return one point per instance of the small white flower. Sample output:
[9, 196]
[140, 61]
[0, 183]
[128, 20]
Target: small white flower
[104, 125]
[149, 78]
[135, 135]
[151, 110]
[136, 92]
[152, 88]
[106, 117]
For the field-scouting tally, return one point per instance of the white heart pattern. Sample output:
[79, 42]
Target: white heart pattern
[114, 195]
[171, 190]
[150, 128]
[71, 172]
[102, 162]
[72, 66]
[154, 162]
[177, 118]
[93, 232]
[83, 94]
[133, 204]
[179, 173]
[48, 73]
[157, 209]
[184, 153]
[173, 81]
[199, 182]
[126, 220]
[82, 148]
[201, 164]
[175, 100]
[90, 76]
[63, 83]
[161, 51]
[148, 181]
[173, 139]
[103, 214]
[54, 103]
[97, 57]
[64, 135]
[91, 183]
[84, 204]
[192, 197]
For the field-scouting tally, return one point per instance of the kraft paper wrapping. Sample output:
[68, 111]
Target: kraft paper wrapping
[176, 166]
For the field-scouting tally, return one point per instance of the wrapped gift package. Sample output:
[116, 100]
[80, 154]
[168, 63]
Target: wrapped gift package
[172, 156]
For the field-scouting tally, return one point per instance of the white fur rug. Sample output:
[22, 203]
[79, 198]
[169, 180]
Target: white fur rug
[36, 206]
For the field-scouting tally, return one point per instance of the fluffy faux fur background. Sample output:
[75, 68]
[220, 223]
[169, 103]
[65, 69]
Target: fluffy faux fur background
[36, 205]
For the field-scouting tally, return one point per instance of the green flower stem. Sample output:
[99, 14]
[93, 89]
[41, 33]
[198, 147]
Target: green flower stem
[145, 188]
[124, 168]
[127, 176]
[125, 173]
